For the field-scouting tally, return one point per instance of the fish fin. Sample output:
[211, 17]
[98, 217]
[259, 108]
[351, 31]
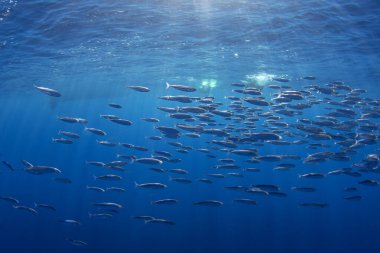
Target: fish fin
[136, 184]
[27, 164]
[167, 85]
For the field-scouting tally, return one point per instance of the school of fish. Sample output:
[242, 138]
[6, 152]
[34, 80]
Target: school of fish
[240, 127]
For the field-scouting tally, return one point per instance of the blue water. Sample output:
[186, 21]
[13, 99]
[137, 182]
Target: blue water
[92, 50]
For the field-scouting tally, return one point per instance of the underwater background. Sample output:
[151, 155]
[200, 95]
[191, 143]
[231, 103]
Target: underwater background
[91, 51]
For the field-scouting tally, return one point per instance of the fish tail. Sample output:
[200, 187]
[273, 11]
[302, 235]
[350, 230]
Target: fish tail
[167, 85]
[136, 184]
[27, 164]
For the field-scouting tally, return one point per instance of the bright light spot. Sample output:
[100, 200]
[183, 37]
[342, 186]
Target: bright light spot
[209, 83]
[260, 79]
[236, 55]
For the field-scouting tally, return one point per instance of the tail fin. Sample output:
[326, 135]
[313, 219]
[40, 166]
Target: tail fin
[136, 184]
[167, 85]
[27, 164]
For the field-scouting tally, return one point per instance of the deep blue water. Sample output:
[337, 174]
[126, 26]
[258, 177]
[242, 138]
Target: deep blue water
[90, 51]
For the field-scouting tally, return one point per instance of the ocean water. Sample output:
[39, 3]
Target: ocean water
[91, 51]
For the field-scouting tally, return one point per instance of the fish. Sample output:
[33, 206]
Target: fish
[179, 87]
[96, 131]
[109, 177]
[165, 202]
[205, 180]
[69, 134]
[10, 199]
[212, 203]
[257, 191]
[148, 160]
[159, 221]
[246, 201]
[124, 122]
[48, 91]
[178, 171]
[143, 217]
[70, 222]
[312, 175]
[26, 208]
[151, 185]
[108, 205]
[62, 140]
[139, 88]
[304, 189]
[280, 79]
[353, 198]
[115, 189]
[95, 188]
[350, 189]
[95, 163]
[40, 170]
[178, 98]
[314, 204]
[116, 106]
[99, 215]
[181, 180]
[8, 165]
[152, 120]
[369, 182]
[45, 206]
[72, 120]
[107, 143]
[76, 242]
